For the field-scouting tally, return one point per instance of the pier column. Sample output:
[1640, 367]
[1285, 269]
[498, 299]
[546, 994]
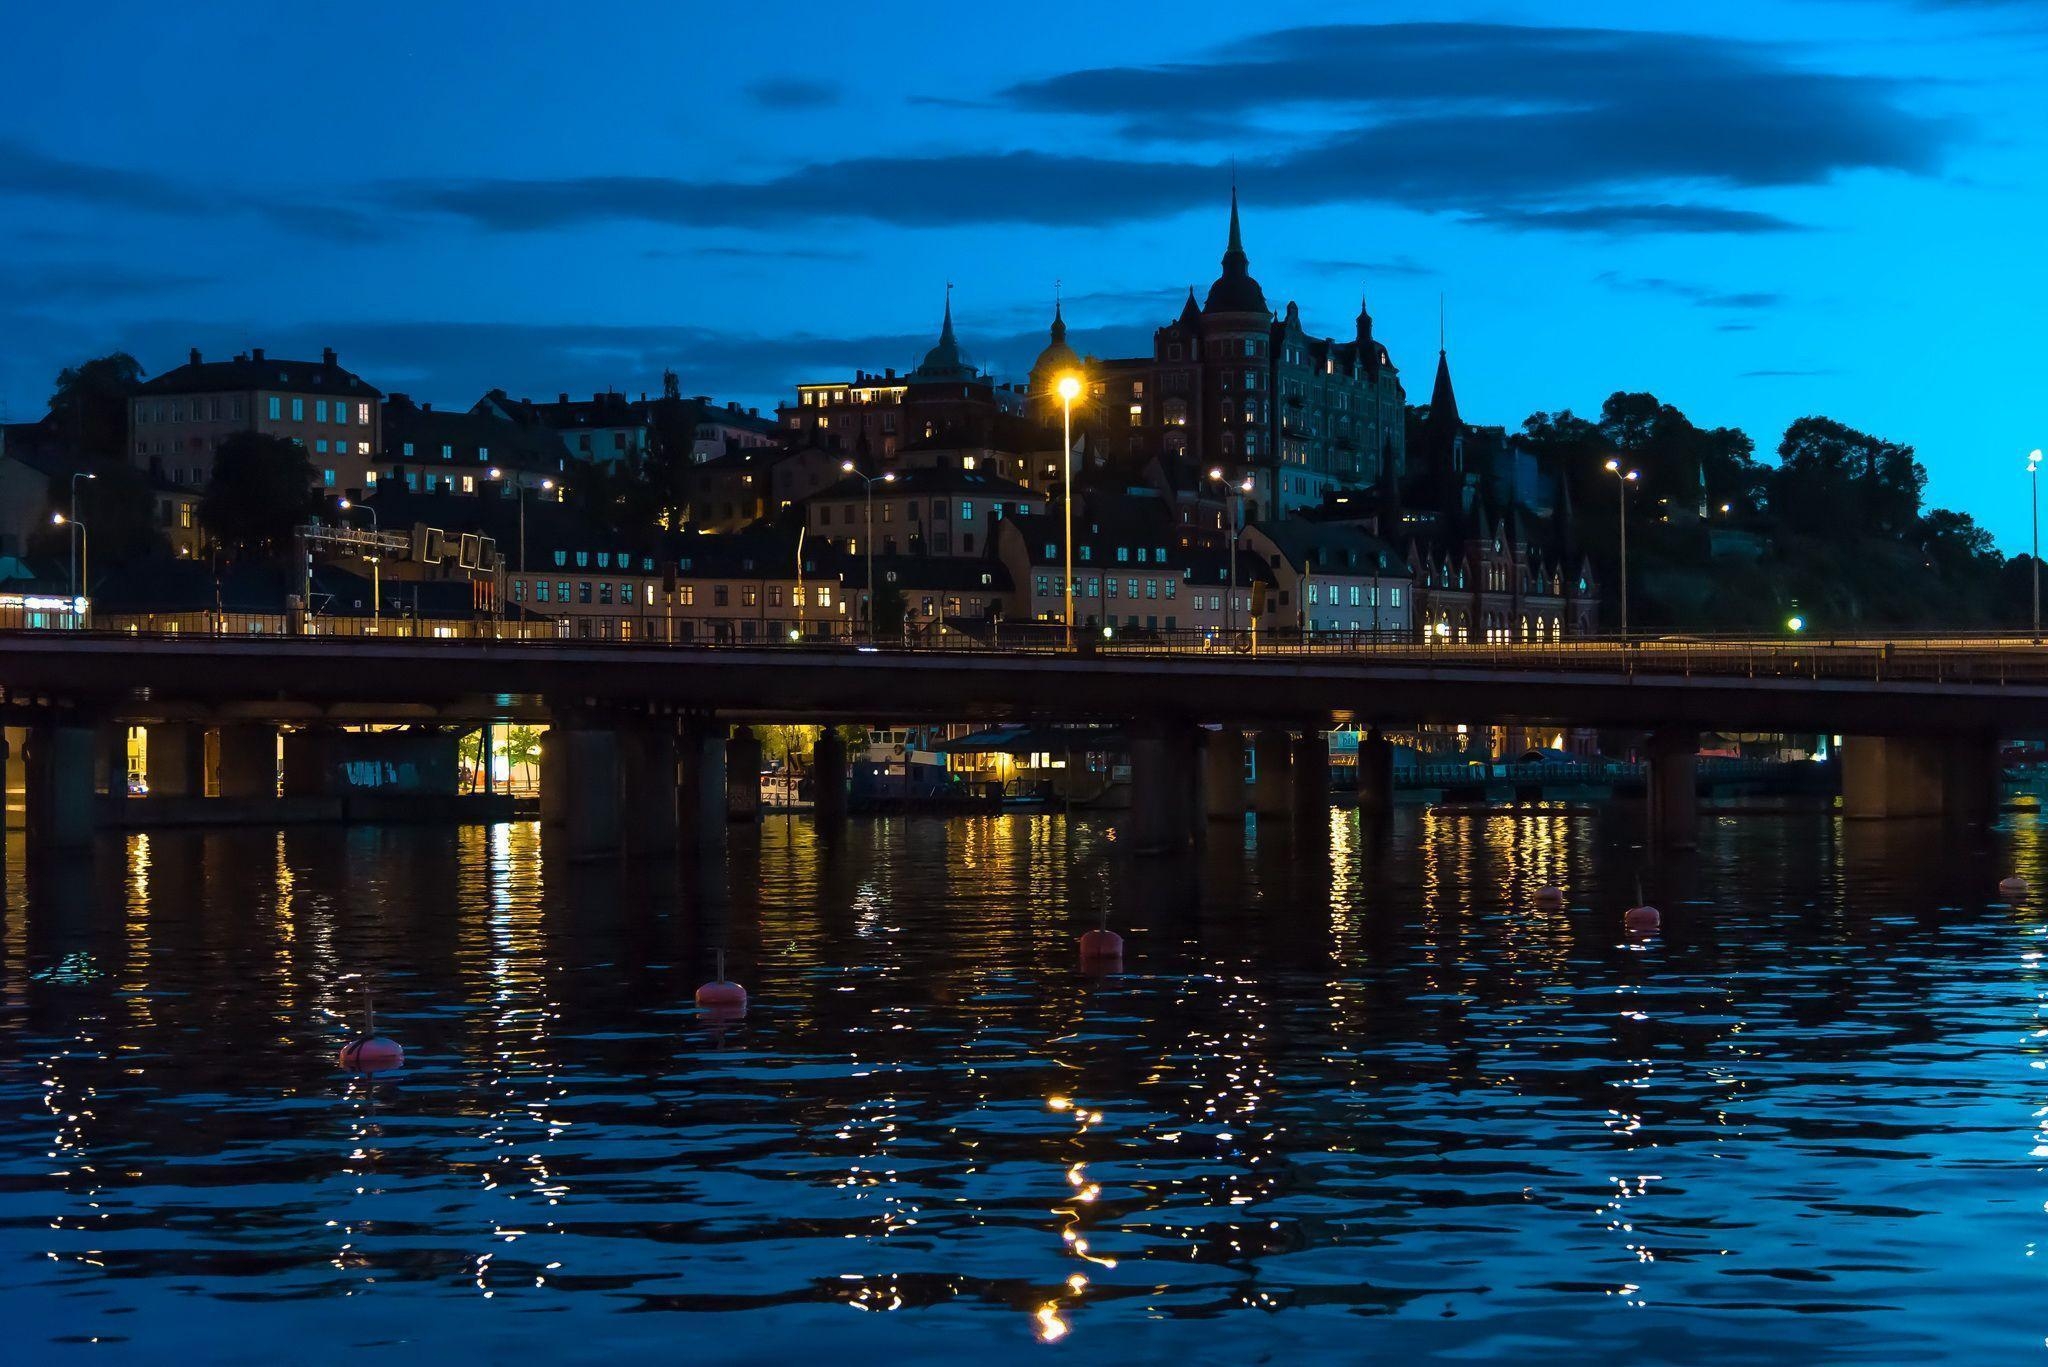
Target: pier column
[743, 775]
[110, 760]
[828, 777]
[591, 759]
[248, 760]
[60, 793]
[1163, 764]
[1672, 788]
[1375, 773]
[1272, 791]
[701, 781]
[1311, 773]
[554, 776]
[647, 775]
[174, 759]
[1907, 776]
[1223, 775]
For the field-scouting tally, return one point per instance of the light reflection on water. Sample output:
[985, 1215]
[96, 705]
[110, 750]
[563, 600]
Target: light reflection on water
[1350, 1097]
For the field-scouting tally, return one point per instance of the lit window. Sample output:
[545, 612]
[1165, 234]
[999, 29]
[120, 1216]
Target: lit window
[363, 414]
[320, 410]
[298, 410]
[408, 448]
[276, 406]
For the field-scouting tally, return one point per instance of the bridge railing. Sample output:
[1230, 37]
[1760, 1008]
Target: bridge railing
[1949, 659]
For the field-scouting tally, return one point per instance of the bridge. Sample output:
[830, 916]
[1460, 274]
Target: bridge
[630, 722]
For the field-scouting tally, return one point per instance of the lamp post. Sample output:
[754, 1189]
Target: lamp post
[376, 566]
[887, 477]
[1623, 478]
[1069, 389]
[546, 486]
[2034, 498]
[76, 476]
[1233, 495]
[81, 537]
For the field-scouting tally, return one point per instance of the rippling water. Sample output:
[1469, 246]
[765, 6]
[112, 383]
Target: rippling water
[1352, 1098]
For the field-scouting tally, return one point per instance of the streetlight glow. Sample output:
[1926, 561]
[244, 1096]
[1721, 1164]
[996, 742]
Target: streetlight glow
[1068, 388]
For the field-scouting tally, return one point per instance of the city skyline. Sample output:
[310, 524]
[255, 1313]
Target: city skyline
[482, 221]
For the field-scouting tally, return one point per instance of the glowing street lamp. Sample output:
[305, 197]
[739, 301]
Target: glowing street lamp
[887, 477]
[376, 565]
[1624, 478]
[1069, 389]
[80, 537]
[547, 486]
[1234, 493]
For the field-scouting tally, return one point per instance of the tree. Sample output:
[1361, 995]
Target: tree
[90, 405]
[261, 489]
[1830, 475]
[522, 749]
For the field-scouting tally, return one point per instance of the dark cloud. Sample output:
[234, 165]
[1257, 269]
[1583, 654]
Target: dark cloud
[1706, 296]
[27, 172]
[789, 92]
[27, 284]
[1399, 265]
[784, 253]
[1621, 219]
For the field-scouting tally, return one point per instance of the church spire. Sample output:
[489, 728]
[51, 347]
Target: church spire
[1059, 324]
[1443, 400]
[1235, 291]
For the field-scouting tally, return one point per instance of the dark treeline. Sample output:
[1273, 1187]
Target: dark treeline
[1834, 531]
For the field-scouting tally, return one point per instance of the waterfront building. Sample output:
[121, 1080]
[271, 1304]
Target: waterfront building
[440, 450]
[1131, 572]
[178, 419]
[936, 511]
[1332, 577]
[610, 428]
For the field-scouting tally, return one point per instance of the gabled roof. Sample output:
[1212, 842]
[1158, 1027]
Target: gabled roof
[1331, 547]
[257, 371]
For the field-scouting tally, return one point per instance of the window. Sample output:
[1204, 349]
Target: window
[583, 591]
[540, 591]
[687, 595]
[775, 595]
[750, 595]
[483, 453]
[327, 478]
[1251, 348]
[298, 410]
[320, 410]
[321, 446]
[1151, 588]
[604, 592]
[966, 510]
[721, 596]
[1394, 597]
[362, 448]
[562, 590]
[824, 595]
[469, 484]
[363, 414]
[276, 404]
[447, 452]
[518, 590]
[1137, 415]
[408, 448]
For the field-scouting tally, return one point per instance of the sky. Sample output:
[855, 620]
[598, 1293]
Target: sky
[1756, 211]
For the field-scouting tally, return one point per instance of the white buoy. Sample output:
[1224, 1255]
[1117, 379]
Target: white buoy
[2013, 886]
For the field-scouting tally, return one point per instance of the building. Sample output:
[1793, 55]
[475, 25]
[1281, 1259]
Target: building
[1332, 577]
[1229, 384]
[1130, 571]
[609, 428]
[932, 512]
[178, 419]
[476, 452]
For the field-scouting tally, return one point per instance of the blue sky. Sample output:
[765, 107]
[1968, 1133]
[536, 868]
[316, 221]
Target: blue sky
[1756, 211]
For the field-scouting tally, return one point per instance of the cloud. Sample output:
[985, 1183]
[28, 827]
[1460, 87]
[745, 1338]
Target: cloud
[1704, 295]
[1618, 219]
[788, 92]
[27, 172]
[34, 284]
[1786, 374]
[1399, 265]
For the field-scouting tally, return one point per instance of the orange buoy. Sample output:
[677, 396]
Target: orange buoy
[1642, 919]
[722, 996]
[1549, 897]
[372, 1054]
[1098, 945]
[2013, 886]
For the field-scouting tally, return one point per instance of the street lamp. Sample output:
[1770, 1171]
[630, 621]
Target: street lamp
[1234, 497]
[82, 538]
[887, 477]
[546, 486]
[1623, 478]
[1069, 389]
[81, 474]
[376, 565]
[2034, 498]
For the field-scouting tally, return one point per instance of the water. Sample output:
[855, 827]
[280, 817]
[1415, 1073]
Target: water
[1355, 1103]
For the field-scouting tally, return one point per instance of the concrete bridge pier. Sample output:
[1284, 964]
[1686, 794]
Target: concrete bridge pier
[647, 777]
[1915, 776]
[1223, 785]
[246, 759]
[554, 777]
[828, 778]
[1375, 773]
[111, 759]
[701, 782]
[1672, 788]
[1272, 788]
[591, 789]
[174, 759]
[1311, 775]
[743, 775]
[1165, 791]
[59, 775]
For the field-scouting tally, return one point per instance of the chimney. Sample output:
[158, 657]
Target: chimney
[327, 356]
[892, 372]
[195, 355]
[426, 408]
[564, 397]
[256, 355]
[753, 412]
